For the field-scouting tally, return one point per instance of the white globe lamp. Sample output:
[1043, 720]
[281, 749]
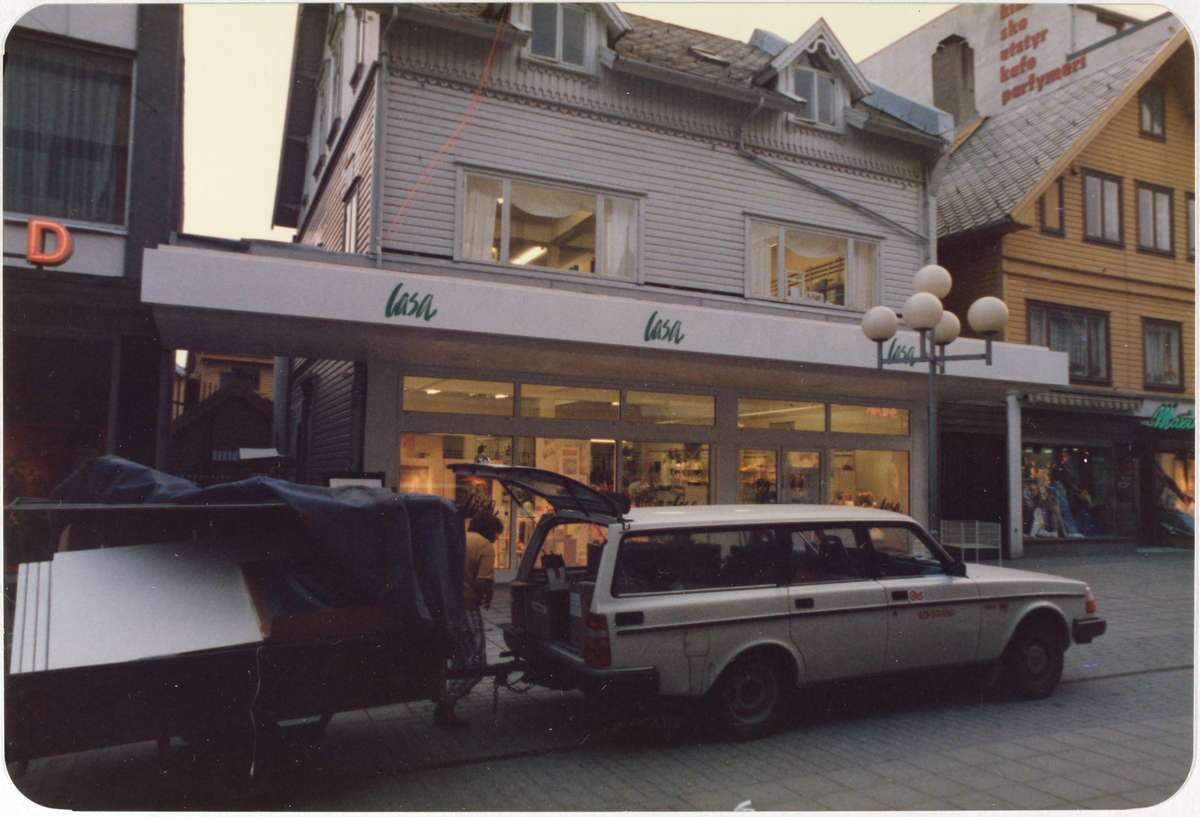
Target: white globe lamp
[932, 279]
[922, 311]
[947, 329]
[987, 315]
[880, 323]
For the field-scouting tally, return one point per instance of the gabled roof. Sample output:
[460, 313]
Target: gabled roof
[820, 35]
[1012, 156]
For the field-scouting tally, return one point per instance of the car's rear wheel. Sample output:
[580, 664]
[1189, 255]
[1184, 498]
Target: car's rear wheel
[750, 698]
[1033, 663]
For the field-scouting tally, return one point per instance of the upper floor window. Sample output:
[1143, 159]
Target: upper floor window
[1163, 344]
[1191, 226]
[559, 33]
[350, 218]
[538, 225]
[1153, 111]
[794, 264]
[1081, 333]
[1154, 219]
[818, 91]
[1102, 208]
[66, 130]
[1052, 208]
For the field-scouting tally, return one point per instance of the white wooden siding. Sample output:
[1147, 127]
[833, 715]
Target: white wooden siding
[696, 193]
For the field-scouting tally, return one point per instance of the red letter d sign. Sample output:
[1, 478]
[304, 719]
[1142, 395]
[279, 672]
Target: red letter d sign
[35, 249]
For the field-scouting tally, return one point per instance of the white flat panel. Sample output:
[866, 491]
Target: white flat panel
[126, 603]
[18, 642]
[41, 642]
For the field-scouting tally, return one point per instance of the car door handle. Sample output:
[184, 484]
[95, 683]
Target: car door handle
[627, 619]
[899, 595]
[804, 604]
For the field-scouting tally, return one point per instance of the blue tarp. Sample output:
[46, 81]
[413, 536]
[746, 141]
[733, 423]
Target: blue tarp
[405, 552]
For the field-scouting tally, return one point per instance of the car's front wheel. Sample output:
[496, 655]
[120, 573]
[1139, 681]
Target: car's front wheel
[750, 698]
[1033, 663]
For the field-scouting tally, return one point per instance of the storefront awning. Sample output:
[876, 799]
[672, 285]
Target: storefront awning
[1087, 402]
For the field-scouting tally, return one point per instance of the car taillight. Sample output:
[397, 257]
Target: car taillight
[1091, 602]
[596, 652]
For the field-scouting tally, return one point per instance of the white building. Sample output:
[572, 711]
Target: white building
[567, 237]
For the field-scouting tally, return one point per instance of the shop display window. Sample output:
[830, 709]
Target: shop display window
[592, 462]
[423, 461]
[570, 403]
[869, 479]
[669, 409]
[789, 415]
[758, 475]
[665, 473]
[1069, 491]
[443, 395]
[868, 420]
[801, 477]
[1175, 494]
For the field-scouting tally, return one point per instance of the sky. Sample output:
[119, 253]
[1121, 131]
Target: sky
[238, 57]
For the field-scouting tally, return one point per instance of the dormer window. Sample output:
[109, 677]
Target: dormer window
[559, 33]
[818, 91]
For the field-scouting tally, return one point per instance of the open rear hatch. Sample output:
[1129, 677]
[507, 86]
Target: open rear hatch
[563, 493]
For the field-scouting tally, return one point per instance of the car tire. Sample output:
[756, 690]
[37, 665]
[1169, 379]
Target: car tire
[1033, 663]
[750, 698]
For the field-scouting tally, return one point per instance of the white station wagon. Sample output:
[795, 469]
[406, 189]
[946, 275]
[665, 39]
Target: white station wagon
[744, 604]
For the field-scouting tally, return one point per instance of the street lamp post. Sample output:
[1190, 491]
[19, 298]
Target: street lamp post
[938, 329]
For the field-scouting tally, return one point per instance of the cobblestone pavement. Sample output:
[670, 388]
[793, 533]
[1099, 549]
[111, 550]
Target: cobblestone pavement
[1118, 733]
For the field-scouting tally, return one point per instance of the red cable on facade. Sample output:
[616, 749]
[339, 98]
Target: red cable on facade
[437, 160]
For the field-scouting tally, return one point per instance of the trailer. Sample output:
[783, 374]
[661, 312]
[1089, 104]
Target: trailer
[157, 609]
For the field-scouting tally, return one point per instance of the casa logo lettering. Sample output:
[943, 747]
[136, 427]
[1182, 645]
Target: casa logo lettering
[409, 305]
[898, 351]
[663, 330]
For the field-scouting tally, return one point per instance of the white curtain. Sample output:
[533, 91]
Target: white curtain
[545, 202]
[479, 218]
[1162, 355]
[66, 131]
[810, 245]
[866, 275]
[764, 238]
[620, 238]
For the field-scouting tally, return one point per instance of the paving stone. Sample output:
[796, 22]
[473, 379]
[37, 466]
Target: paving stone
[850, 801]
[1023, 796]
[1066, 789]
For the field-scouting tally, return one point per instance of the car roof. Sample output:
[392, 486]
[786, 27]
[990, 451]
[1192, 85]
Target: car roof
[694, 515]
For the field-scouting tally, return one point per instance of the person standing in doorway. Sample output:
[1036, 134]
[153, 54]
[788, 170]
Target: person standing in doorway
[478, 585]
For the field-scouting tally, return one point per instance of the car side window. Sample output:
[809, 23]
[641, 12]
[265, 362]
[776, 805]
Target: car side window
[899, 551]
[698, 559]
[827, 555]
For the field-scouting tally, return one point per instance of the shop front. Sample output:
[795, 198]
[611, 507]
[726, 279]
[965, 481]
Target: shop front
[729, 406]
[1169, 490]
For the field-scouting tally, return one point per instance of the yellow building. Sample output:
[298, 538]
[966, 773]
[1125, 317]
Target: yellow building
[1077, 208]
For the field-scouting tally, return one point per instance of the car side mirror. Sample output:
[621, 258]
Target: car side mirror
[959, 568]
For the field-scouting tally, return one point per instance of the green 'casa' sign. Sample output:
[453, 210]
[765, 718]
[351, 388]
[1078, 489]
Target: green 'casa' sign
[898, 351]
[1166, 418]
[663, 330]
[408, 305]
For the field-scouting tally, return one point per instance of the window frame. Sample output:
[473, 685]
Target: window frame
[1104, 178]
[852, 272]
[590, 39]
[1158, 106]
[507, 180]
[1153, 248]
[1061, 229]
[1069, 311]
[1177, 327]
